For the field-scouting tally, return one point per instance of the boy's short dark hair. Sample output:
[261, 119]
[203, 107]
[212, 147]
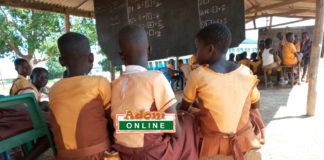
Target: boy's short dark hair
[289, 34]
[305, 33]
[38, 70]
[216, 34]
[19, 61]
[180, 61]
[268, 41]
[72, 41]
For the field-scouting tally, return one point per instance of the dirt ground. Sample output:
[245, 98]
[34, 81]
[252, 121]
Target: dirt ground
[290, 135]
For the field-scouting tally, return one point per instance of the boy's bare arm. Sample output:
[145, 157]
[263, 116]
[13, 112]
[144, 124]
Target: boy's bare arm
[172, 109]
[185, 105]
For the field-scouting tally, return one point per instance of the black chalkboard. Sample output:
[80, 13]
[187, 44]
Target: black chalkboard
[170, 24]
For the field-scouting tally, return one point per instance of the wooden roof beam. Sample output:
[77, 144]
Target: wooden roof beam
[282, 13]
[83, 2]
[281, 24]
[275, 5]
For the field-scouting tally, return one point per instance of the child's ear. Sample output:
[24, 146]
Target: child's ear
[211, 49]
[62, 62]
[91, 58]
[149, 51]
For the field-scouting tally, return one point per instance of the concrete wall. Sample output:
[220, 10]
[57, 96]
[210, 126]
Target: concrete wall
[272, 33]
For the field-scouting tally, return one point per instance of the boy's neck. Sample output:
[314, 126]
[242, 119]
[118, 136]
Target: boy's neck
[222, 66]
[22, 75]
[141, 63]
[73, 73]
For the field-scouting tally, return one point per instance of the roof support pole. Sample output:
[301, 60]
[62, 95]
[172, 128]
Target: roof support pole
[270, 23]
[315, 57]
[67, 22]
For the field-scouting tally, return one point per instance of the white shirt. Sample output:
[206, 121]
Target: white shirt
[267, 57]
[131, 69]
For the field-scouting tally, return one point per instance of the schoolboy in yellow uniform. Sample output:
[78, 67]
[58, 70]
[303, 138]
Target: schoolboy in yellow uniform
[23, 68]
[79, 103]
[138, 89]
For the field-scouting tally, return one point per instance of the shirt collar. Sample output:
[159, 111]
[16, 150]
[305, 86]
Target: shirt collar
[21, 76]
[131, 69]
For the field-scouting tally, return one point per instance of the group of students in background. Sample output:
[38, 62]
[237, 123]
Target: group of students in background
[218, 114]
[287, 53]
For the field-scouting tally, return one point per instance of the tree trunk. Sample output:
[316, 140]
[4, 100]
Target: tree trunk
[315, 57]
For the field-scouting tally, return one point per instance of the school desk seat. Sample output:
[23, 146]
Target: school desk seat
[26, 138]
[290, 70]
[250, 155]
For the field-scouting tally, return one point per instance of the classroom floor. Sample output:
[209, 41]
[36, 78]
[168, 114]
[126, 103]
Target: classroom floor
[290, 135]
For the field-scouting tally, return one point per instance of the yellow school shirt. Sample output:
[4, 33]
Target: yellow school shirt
[143, 90]
[172, 74]
[288, 54]
[78, 107]
[20, 83]
[223, 95]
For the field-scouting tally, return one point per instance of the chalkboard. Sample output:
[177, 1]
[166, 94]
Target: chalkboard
[171, 25]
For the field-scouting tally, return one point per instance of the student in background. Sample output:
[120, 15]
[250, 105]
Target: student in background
[232, 57]
[185, 70]
[39, 79]
[80, 104]
[243, 60]
[306, 50]
[138, 89]
[271, 61]
[281, 44]
[23, 68]
[172, 73]
[255, 63]
[193, 61]
[297, 43]
[230, 124]
[289, 51]
[260, 49]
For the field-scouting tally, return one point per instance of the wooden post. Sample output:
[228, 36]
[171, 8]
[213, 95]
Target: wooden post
[270, 24]
[315, 57]
[112, 71]
[67, 22]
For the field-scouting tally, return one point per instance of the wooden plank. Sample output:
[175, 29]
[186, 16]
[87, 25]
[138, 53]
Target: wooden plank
[275, 5]
[78, 6]
[281, 24]
[295, 11]
[315, 57]
[46, 7]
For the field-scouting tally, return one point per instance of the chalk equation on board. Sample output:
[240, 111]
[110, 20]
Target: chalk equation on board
[146, 14]
[210, 13]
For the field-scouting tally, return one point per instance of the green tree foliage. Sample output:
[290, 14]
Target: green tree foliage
[55, 70]
[33, 35]
[104, 63]
[29, 34]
